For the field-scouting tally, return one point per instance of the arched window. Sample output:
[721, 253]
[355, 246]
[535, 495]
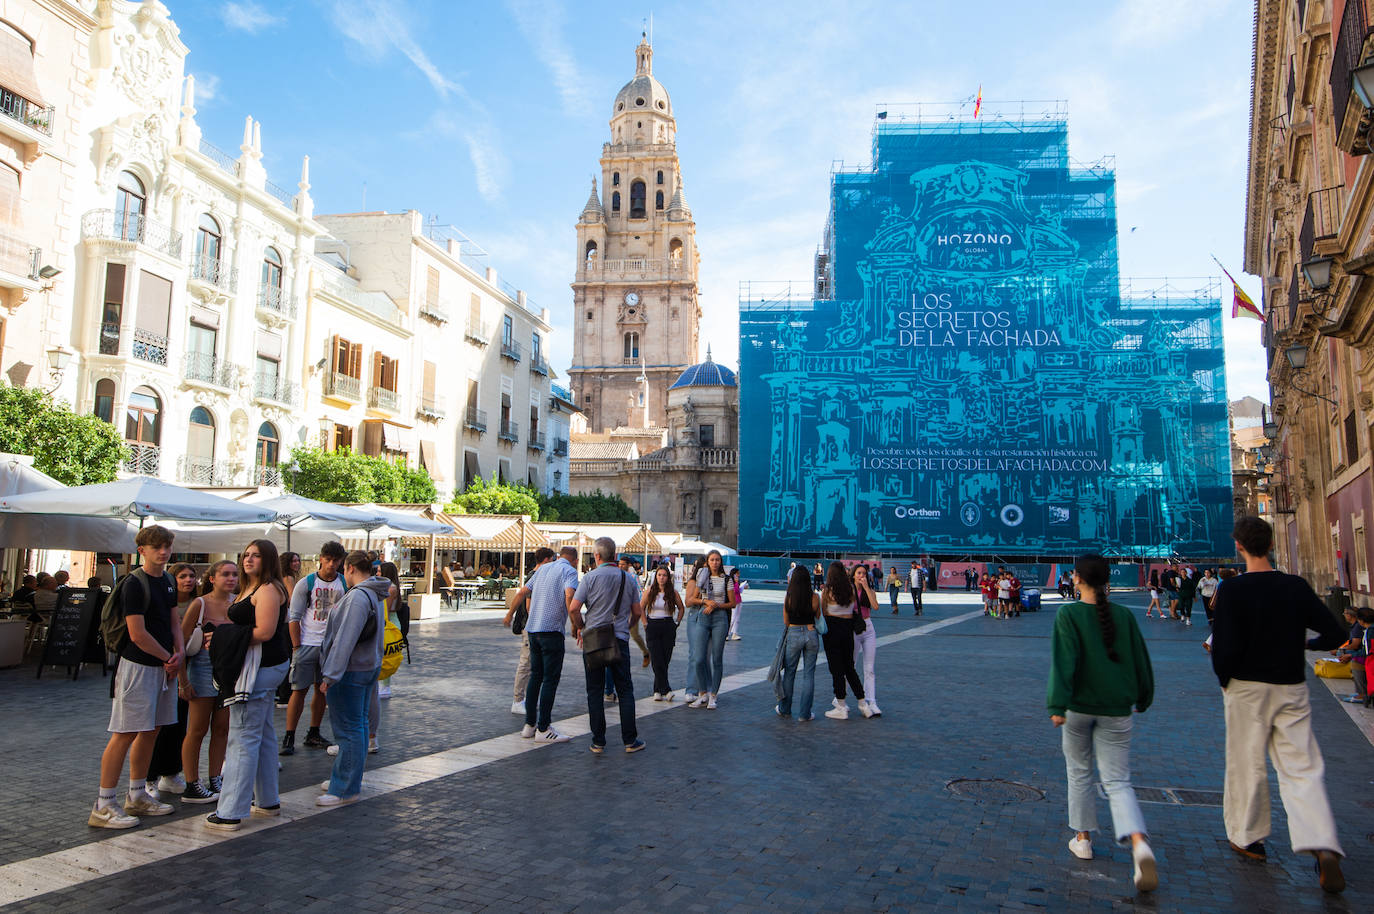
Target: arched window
[200, 448]
[131, 200]
[615, 179]
[658, 200]
[104, 399]
[591, 252]
[675, 251]
[208, 239]
[268, 444]
[271, 278]
[659, 180]
[143, 417]
[615, 202]
[637, 197]
[632, 345]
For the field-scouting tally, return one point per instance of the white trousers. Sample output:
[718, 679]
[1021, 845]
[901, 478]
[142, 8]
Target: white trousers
[867, 644]
[1261, 718]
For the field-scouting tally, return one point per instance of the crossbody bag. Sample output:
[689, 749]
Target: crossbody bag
[600, 647]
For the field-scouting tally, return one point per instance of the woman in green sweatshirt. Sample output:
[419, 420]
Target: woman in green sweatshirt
[1099, 669]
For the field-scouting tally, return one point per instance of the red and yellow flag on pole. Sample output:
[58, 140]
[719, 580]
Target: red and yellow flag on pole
[978, 102]
[1242, 305]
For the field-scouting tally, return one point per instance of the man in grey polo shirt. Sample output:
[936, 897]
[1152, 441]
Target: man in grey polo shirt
[598, 592]
[550, 590]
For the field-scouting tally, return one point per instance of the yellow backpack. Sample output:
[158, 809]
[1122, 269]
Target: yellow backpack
[393, 645]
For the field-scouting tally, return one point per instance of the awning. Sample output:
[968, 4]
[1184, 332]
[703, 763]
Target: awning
[16, 67]
[493, 532]
[628, 537]
[429, 462]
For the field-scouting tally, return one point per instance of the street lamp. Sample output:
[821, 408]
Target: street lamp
[59, 358]
[1297, 358]
[1318, 273]
[1362, 79]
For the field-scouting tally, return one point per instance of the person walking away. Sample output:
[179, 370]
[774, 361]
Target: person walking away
[542, 556]
[626, 566]
[149, 659]
[1014, 607]
[1187, 590]
[164, 771]
[663, 611]
[1207, 589]
[817, 577]
[801, 606]
[611, 597]
[1169, 580]
[203, 714]
[1259, 626]
[866, 642]
[312, 600]
[894, 587]
[550, 592]
[1154, 597]
[838, 604]
[350, 659]
[708, 605]
[737, 589]
[1099, 668]
[916, 583]
[257, 634]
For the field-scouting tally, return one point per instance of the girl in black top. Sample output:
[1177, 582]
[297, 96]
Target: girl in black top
[800, 609]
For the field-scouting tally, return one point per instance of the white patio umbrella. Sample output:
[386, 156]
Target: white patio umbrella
[395, 523]
[297, 511]
[37, 531]
[139, 497]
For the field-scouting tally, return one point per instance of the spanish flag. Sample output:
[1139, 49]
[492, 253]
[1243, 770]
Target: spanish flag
[978, 103]
[1242, 305]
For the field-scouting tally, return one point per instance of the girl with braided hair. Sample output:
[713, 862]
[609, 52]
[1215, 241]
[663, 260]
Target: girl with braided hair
[1099, 669]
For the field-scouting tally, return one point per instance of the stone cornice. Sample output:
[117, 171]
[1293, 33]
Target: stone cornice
[1264, 63]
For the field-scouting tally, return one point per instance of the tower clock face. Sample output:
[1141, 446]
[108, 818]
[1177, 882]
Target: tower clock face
[632, 298]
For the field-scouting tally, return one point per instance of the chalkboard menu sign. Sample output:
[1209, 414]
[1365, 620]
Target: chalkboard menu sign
[73, 634]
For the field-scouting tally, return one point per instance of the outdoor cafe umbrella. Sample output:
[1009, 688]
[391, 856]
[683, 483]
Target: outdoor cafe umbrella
[141, 497]
[317, 516]
[36, 531]
[394, 522]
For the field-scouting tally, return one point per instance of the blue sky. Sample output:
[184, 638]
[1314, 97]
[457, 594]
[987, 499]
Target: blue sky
[491, 116]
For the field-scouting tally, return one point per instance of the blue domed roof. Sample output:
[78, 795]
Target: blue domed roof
[706, 374]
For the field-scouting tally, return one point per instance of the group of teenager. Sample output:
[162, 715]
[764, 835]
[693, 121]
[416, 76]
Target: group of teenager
[202, 655]
[1180, 588]
[839, 618]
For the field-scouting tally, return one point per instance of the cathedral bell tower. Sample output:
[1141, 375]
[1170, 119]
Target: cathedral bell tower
[635, 308]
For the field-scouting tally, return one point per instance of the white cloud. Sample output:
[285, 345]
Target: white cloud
[1142, 22]
[541, 22]
[207, 88]
[379, 27]
[247, 16]
[489, 165]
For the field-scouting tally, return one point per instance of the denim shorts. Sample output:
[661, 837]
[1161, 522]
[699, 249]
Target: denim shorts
[200, 674]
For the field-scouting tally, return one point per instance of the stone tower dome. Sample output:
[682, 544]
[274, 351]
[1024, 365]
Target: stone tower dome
[643, 112]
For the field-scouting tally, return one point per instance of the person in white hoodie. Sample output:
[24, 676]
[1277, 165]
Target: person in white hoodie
[350, 659]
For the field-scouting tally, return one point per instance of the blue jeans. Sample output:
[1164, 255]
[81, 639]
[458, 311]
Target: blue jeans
[250, 759]
[706, 632]
[803, 645]
[546, 669]
[348, 714]
[1109, 739]
[625, 695]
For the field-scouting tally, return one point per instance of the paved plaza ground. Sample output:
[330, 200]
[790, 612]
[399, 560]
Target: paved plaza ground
[727, 810]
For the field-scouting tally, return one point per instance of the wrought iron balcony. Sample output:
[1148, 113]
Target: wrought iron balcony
[200, 471]
[1322, 221]
[273, 387]
[510, 431]
[510, 349]
[536, 441]
[207, 369]
[560, 447]
[382, 398]
[346, 387]
[476, 333]
[109, 339]
[142, 459]
[266, 476]
[430, 407]
[1348, 111]
[476, 419]
[18, 108]
[150, 347]
[277, 300]
[539, 365]
[215, 272]
[111, 225]
[434, 311]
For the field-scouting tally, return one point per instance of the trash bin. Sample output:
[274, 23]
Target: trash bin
[1030, 601]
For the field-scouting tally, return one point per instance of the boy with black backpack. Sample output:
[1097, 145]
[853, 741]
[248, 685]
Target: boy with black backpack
[141, 624]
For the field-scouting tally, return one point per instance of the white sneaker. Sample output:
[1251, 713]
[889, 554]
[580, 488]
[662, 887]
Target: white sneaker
[658, 696]
[864, 709]
[1082, 848]
[372, 747]
[840, 711]
[150, 787]
[172, 785]
[324, 785]
[553, 736]
[143, 805]
[330, 800]
[110, 816]
[874, 710]
[517, 707]
[1189, 622]
[697, 702]
[1146, 876]
[527, 731]
[711, 702]
[332, 750]
[384, 691]
[669, 696]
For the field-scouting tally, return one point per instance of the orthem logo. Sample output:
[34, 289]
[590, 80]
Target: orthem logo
[970, 514]
[925, 513]
[1059, 514]
[1012, 515]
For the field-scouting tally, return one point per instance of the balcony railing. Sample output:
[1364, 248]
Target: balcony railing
[536, 441]
[539, 365]
[277, 300]
[287, 197]
[142, 459]
[1322, 219]
[476, 333]
[112, 225]
[18, 108]
[718, 456]
[560, 447]
[1347, 54]
[224, 160]
[199, 471]
[207, 369]
[510, 431]
[430, 407]
[434, 311]
[382, 398]
[150, 347]
[338, 384]
[510, 349]
[209, 269]
[1293, 289]
[18, 257]
[109, 339]
[274, 388]
[476, 419]
[266, 476]
[632, 266]
[377, 303]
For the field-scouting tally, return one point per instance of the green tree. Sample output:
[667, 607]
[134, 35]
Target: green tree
[345, 476]
[484, 497]
[74, 450]
[596, 508]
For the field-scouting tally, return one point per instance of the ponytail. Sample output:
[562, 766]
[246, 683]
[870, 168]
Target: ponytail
[1093, 571]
